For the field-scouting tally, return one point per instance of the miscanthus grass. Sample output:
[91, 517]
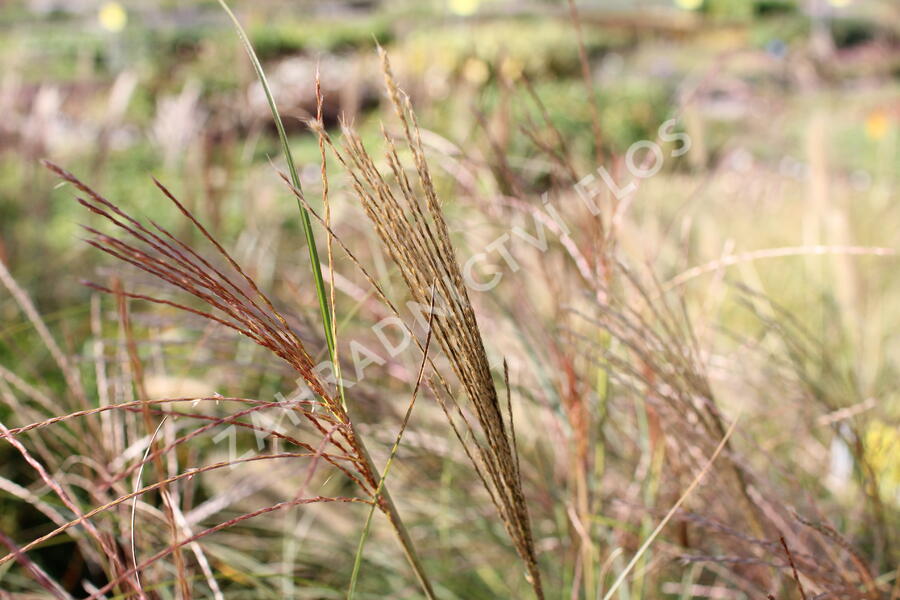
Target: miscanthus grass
[624, 475]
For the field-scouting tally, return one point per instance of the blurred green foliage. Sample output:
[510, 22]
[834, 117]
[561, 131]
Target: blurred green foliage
[290, 36]
[538, 48]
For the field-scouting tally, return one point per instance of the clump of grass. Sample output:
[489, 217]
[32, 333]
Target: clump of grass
[646, 434]
[235, 301]
[657, 361]
[232, 299]
[383, 496]
[410, 224]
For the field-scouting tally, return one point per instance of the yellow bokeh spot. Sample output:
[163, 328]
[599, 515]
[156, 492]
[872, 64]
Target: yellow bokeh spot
[112, 17]
[476, 71]
[877, 125]
[689, 4]
[840, 3]
[883, 453]
[464, 7]
[511, 69]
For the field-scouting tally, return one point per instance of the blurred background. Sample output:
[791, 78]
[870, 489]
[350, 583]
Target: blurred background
[792, 107]
[118, 90]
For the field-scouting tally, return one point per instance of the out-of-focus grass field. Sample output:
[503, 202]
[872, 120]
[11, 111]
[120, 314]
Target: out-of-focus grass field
[790, 188]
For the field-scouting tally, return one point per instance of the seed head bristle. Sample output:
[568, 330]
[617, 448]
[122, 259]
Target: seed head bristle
[233, 299]
[415, 234]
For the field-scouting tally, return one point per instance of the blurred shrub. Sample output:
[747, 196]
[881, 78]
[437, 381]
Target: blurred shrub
[62, 52]
[848, 32]
[537, 48]
[785, 31]
[747, 9]
[629, 111]
[272, 40]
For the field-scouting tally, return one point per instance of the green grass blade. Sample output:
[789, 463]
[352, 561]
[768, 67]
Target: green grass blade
[357, 560]
[322, 296]
[319, 281]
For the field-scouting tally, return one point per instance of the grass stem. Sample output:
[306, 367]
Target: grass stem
[385, 501]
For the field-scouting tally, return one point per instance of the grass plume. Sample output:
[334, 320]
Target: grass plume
[408, 219]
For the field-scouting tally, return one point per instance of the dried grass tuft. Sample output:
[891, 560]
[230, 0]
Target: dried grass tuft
[408, 219]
